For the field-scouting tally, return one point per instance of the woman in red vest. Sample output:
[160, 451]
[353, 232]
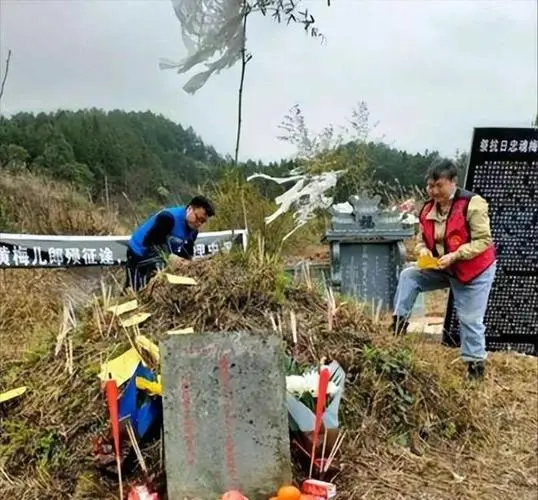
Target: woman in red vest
[455, 228]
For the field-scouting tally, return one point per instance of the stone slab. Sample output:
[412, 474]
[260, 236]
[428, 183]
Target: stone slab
[368, 272]
[225, 416]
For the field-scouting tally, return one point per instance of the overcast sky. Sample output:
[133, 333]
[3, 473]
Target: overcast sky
[429, 70]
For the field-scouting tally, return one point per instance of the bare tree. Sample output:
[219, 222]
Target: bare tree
[214, 33]
[280, 10]
[245, 58]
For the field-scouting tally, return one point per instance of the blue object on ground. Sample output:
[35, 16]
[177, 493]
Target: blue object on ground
[142, 415]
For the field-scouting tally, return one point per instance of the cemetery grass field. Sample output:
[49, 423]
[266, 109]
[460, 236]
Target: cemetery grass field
[424, 434]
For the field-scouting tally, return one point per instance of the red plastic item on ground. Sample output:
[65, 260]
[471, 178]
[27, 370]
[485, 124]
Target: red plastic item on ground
[319, 489]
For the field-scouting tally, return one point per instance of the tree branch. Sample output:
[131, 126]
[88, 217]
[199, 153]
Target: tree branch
[5, 74]
[245, 58]
[280, 9]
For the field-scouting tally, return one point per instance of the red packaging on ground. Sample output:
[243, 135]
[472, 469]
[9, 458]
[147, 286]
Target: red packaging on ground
[319, 489]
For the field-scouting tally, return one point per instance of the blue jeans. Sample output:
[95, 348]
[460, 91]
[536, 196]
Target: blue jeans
[470, 302]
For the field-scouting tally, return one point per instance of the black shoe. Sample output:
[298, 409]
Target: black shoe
[399, 325]
[476, 370]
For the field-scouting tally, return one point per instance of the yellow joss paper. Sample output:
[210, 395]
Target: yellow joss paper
[146, 344]
[14, 393]
[181, 331]
[180, 280]
[427, 262]
[121, 368]
[134, 320]
[123, 308]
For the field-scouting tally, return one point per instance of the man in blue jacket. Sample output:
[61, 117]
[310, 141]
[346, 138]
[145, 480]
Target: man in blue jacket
[172, 230]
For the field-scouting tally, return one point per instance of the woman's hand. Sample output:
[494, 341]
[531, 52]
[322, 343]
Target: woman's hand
[446, 260]
[425, 253]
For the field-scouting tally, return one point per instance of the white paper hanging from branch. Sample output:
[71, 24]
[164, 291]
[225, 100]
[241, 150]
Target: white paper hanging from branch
[307, 195]
[213, 35]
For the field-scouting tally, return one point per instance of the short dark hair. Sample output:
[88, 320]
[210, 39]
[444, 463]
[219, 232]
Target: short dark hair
[443, 169]
[202, 202]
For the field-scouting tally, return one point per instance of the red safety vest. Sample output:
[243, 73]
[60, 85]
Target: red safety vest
[457, 233]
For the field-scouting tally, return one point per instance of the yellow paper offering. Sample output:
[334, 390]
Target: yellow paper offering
[427, 262]
[14, 393]
[180, 280]
[121, 368]
[146, 344]
[181, 331]
[134, 320]
[123, 308]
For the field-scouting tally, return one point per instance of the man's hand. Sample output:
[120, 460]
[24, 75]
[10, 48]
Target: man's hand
[446, 260]
[176, 262]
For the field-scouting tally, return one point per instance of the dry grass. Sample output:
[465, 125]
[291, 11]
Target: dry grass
[29, 303]
[484, 448]
[36, 205]
[417, 430]
[31, 300]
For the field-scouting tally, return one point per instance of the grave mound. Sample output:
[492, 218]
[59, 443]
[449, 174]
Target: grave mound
[413, 426]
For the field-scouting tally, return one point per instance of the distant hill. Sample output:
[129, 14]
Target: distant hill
[140, 154]
[148, 157]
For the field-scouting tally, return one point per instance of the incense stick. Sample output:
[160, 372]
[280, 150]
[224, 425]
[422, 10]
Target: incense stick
[293, 321]
[331, 452]
[312, 458]
[322, 463]
[118, 463]
[335, 449]
[136, 448]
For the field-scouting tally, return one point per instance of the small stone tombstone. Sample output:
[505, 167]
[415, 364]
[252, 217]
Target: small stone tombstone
[225, 416]
[367, 251]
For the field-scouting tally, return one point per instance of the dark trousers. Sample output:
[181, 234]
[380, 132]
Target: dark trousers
[140, 270]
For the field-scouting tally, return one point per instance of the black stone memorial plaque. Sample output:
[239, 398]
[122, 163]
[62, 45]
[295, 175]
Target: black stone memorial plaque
[503, 168]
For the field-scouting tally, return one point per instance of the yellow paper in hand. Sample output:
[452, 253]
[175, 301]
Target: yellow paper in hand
[427, 262]
[14, 393]
[122, 367]
[134, 320]
[180, 280]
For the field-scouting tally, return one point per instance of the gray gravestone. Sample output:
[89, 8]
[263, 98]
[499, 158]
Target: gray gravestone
[225, 416]
[367, 251]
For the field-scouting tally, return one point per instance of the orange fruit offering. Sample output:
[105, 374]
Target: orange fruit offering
[289, 493]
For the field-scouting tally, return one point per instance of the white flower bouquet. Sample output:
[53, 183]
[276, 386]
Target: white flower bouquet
[302, 394]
